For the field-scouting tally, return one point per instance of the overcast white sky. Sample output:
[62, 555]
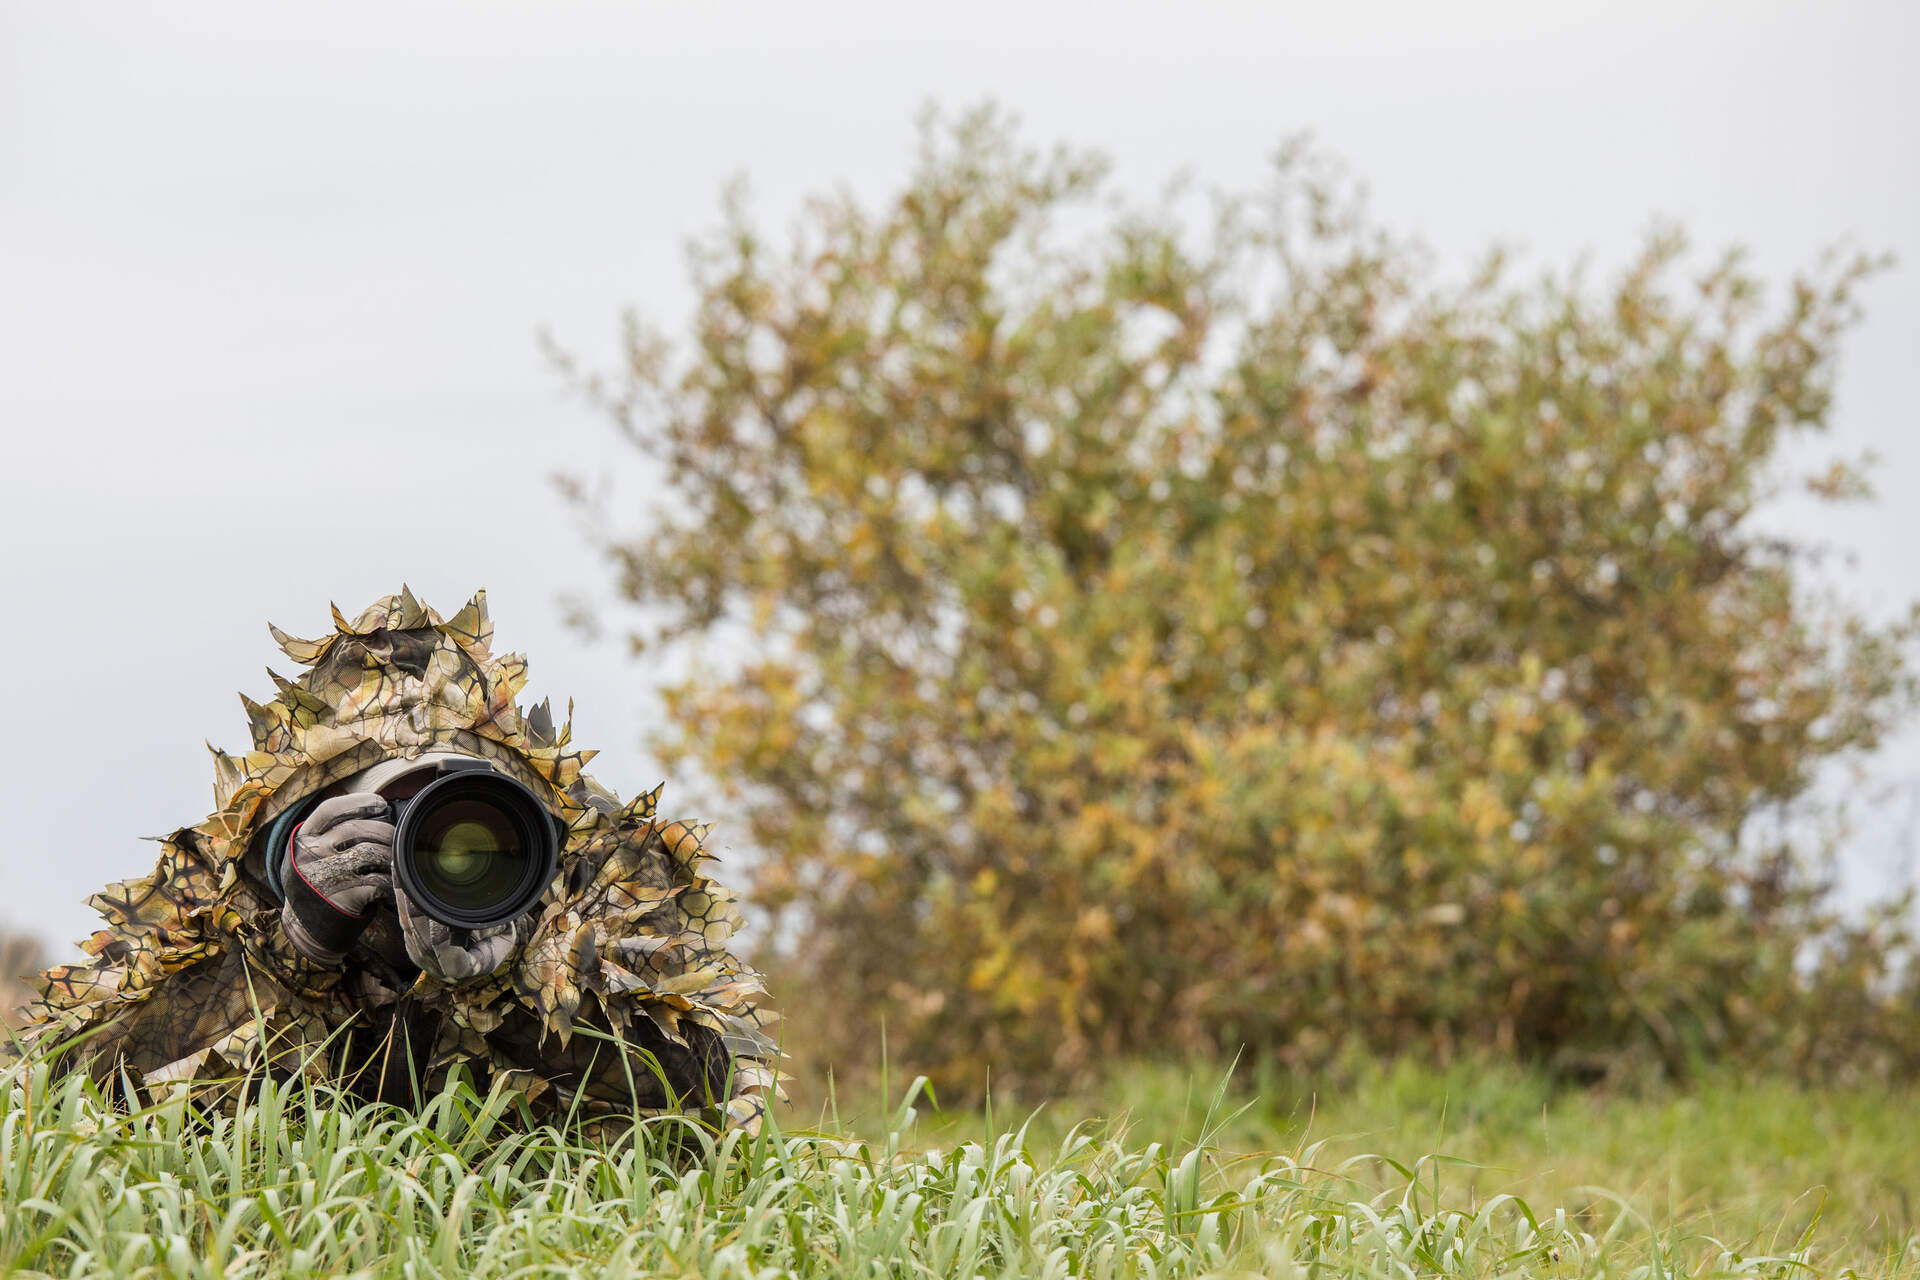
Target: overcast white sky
[270, 277]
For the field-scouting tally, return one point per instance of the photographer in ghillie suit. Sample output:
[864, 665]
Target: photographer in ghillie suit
[286, 934]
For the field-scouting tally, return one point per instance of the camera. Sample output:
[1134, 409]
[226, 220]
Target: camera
[472, 846]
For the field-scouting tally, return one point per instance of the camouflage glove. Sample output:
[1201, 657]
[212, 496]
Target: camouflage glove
[456, 955]
[341, 866]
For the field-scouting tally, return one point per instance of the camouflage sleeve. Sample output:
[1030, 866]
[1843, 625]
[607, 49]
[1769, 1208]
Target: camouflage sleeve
[266, 944]
[155, 925]
[186, 962]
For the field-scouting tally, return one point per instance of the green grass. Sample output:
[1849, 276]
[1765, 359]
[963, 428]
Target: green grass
[1749, 1159]
[1480, 1172]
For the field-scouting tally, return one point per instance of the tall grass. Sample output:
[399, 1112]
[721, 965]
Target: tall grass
[294, 1184]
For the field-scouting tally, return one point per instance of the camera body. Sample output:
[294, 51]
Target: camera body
[473, 847]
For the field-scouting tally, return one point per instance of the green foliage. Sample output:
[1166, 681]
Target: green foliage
[293, 1186]
[1158, 638]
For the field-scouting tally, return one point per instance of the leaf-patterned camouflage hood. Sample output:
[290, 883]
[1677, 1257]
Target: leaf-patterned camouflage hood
[397, 681]
[192, 977]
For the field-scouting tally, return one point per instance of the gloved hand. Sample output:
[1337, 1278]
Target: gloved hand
[341, 867]
[456, 955]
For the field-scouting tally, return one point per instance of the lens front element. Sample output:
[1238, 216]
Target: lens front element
[469, 854]
[475, 849]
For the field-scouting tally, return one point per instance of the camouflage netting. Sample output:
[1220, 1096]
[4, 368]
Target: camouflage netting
[193, 980]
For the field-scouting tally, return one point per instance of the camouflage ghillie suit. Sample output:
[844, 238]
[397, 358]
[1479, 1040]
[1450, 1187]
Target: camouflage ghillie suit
[193, 978]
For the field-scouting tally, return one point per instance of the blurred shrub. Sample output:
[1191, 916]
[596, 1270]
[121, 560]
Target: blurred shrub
[1160, 639]
[20, 956]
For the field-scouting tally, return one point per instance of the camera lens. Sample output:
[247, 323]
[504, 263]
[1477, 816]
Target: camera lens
[469, 854]
[475, 849]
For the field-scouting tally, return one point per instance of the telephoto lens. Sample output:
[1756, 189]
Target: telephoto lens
[473, 847]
